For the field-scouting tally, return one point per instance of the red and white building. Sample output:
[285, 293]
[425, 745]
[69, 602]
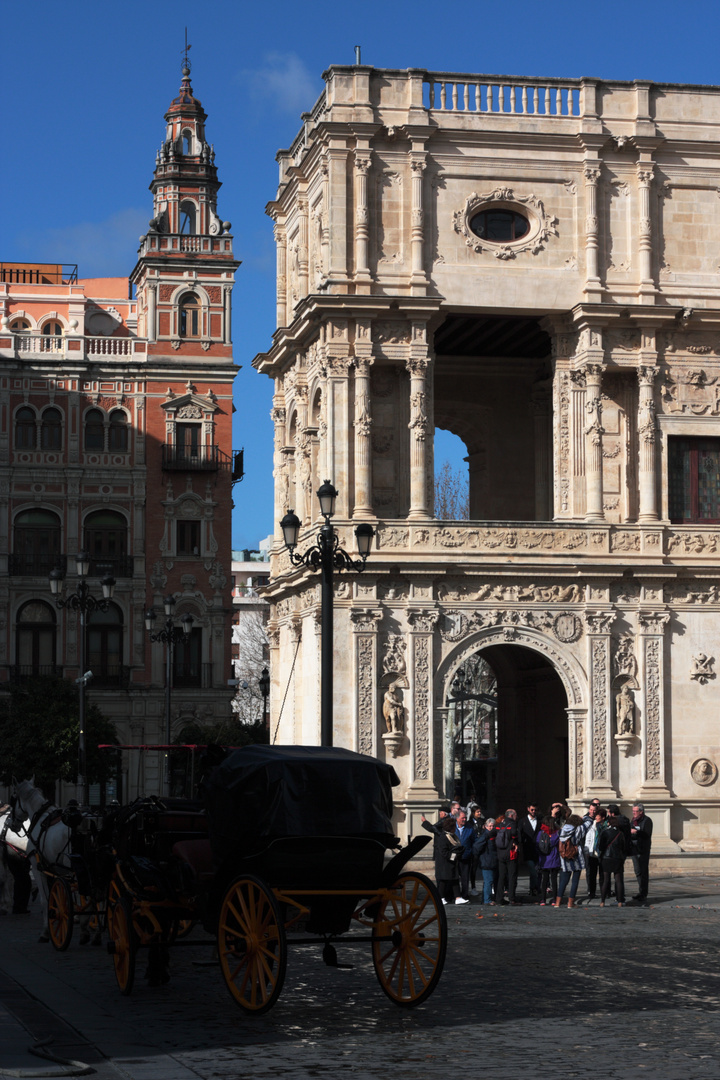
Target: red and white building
[115, 438]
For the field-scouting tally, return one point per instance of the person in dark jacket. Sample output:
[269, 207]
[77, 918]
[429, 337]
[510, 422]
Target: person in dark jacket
[622, 823]
[641, 828]
[486, 853]
[448, 850]
[466, 835]
[548, 862]
[612, 849]
[528, 828]
[477, 820]
[506, 843]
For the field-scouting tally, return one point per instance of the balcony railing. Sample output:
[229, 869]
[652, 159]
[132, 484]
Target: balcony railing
[118, 566]
[76, 346]
[194, 458]
[23, 672]
[201, 679]
[451, 92]
[35, 565]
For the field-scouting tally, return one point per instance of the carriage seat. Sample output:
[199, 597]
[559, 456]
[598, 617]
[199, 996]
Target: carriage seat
[197, 854]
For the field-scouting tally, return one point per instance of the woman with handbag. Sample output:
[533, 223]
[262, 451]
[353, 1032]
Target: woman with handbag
[572, 858]
[448, 851]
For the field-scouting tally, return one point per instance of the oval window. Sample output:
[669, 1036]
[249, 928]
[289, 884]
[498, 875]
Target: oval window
[499, 226]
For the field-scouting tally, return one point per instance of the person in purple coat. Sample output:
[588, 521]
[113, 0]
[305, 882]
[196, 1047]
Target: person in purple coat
[547, 842]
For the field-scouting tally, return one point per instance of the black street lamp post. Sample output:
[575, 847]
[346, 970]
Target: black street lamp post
[82, 601]
[459, 690]
[264, 684]
[326, 555]
[170, 635]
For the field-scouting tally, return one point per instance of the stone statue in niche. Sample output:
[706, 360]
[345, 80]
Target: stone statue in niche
[393, 709]
[625, 711]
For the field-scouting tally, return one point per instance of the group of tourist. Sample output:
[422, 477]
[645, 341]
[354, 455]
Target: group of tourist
[555, 849]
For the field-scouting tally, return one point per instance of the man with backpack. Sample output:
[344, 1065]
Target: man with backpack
[506, 845]
[612, 848]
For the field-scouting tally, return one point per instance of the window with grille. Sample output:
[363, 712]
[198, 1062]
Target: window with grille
[694, 479]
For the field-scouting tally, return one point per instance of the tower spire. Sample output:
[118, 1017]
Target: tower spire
[186, 65]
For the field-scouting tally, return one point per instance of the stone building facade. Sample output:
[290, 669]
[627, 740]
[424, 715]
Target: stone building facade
[115, 436]
[532, 265]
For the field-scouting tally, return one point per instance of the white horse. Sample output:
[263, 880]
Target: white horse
[49, 839]
[13, 845]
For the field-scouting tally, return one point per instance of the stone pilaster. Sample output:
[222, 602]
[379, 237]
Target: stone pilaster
[597, 747]
[303, 255]
[593, 443]
[647, 456]
[417, 365]
[362, 220]
[651, 626]
[365, 624]
[577, 720]
[418, 281]
[280, 467]
[151, 310]
[363, 420]
[420, 669]
[645, 173]
[337, 211]
[281, 283]
[591, 172]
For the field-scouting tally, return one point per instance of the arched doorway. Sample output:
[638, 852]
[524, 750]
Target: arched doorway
[521, 751]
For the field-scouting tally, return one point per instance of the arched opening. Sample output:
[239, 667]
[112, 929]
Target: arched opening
[106, 542]
[25, 428]
[188, 218]
[35, 640]
[51, 430]
[105, 646]
[52, 336]
[492, 387]
[118, 433]
[95, 430]
[190, 313]
[452, 489]
[36, 543]
[186, 142]
[20, 326]
[515, 751]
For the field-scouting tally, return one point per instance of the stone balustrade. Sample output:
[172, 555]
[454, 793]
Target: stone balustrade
[476, 93]
[72, 346]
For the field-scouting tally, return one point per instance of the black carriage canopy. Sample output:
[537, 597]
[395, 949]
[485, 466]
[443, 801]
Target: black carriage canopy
[264, 793]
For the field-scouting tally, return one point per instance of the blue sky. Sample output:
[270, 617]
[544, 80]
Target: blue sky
[86, 85]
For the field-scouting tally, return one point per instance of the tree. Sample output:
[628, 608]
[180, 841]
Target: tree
[39, 733]
[252, 652]
[452, 493]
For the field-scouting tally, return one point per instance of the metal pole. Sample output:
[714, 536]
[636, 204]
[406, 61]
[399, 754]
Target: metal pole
[168, 693]
[82, 756]
[326, 636]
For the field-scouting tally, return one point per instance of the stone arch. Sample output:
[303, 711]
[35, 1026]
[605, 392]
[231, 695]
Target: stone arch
[570, 671]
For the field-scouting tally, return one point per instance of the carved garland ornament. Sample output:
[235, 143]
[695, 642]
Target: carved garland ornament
[542, 225]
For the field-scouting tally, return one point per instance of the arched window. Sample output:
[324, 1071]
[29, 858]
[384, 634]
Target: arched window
[51, 430]
[95, 430]
[20, 326]
[25, 429]
[35, 640]
[187, 142]
[187, 659]
[105, 645]
[118, 435]
[190, 316]
[36, 543]
[188, 218]
[106, 542]
[52, 336]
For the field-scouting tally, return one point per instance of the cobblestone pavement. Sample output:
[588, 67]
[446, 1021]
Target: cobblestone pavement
[612, 993]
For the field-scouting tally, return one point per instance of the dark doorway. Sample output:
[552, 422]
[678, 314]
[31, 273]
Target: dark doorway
[530, 759]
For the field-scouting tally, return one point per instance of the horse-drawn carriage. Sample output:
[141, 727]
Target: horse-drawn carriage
[289, 847]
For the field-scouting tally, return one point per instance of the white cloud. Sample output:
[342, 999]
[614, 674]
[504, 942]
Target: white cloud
[100, 248]
[284, 81]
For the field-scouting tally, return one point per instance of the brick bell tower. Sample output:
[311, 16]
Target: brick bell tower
[184, 280]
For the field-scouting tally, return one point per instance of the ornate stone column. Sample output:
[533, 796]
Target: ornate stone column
[365, 625]
[418, 280]
[303, 257]
[281, 281]
[420, 728]
[362, 219]
[280, 468]
[651, 626]
[645, 173]
[417, 365]
[363, 420]
[647, 467]
[593, 443]
[577, 719]
[151, 311]
[599, 762]
[591, 172]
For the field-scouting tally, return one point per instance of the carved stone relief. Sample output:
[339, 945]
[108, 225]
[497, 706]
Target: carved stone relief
[704, 772]
[542, 224]
[702, 668]
[599, 708]
[421, 725]
[652, 708]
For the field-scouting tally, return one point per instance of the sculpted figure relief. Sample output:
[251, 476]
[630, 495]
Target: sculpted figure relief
[625, 711]
[393, 709]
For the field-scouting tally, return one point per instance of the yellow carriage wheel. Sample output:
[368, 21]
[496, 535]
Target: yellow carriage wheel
[252, 945]
[113, 898]
[409, 939]
[61, 914]
[123, 944]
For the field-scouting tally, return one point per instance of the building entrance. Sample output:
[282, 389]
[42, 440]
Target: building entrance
[521, 752]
